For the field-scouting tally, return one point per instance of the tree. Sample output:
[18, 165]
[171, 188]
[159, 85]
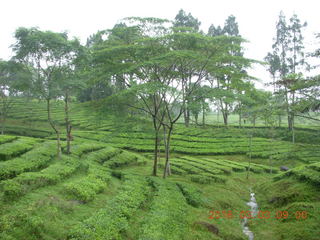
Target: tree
[158, 64]
[231, 75]
[47, 53]
[14, 78]
[287, 58]
[187, 24]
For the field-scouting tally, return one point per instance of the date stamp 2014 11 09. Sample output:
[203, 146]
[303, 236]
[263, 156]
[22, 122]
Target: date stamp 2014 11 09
[228, 214]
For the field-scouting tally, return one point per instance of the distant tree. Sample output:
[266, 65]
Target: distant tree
[14, 78]
[287, 57]
[198, 103]
[232, 75]
[184, 22]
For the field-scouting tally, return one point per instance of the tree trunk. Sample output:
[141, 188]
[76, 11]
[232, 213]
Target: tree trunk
[293, 132]
[188, 116]
[249, 167]
[240, 119]
[196, 118]
[68, 124]
[292, 118]
[279, 120]
[3, 122]
[225, 118]
[155, 161]
[167, 170]
[203, 114]
[55, 129]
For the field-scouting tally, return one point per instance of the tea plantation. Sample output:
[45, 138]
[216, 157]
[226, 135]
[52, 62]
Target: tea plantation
[104, 188]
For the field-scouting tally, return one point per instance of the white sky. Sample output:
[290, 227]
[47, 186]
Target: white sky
[81, 18]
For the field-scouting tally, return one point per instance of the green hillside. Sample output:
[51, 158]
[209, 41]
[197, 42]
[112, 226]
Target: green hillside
[104, 189]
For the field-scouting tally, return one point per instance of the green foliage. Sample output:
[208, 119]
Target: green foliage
[6, 139]
[191, 193]
[86, 189]
[29, 181]
[35, 159]
[16, 148]
[207, 179]
[167, 216]
[124, 159]
[109, 222]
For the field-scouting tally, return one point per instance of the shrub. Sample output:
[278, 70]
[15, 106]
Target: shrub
[35, 159]
[16, 148]
[33, 180]
[86, 189]
[109, 222]
[167, 216]
[191, 193]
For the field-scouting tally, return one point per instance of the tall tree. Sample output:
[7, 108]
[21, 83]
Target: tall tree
[186, 23]
[159, 64]
[47, 53]
[287, 58]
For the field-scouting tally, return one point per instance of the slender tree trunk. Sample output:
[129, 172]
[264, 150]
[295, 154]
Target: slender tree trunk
[293, 132]
[203, 114]
[250, 144]
[196, 118]
[167, 170]
[240, 117]
[218, 113]
[68, 124]
[155, 161]
[279, 120]
[292, 118]
[225, 118]
[59, 153]
[2, 125]
[188, 115]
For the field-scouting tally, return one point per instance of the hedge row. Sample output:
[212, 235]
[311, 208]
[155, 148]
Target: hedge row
[124, 159]
[6, 138]
[29, 181]
[86, 147]
[103, 154]
[16, 148]
[167, 217]
[191, 193]
[37, 158]
[86, 189]
[109, 222]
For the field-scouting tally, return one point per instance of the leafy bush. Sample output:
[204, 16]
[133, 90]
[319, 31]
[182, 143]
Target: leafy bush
[26, 182]
[35, 159]
[86, 189]
[191, 193]
[16, 148]
[6, 139]
[109, 222]
[103, 155]
[124, 159]
[167, 216]
[86, 147]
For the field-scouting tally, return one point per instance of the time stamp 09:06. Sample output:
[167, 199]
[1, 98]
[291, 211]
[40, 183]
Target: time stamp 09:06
[228, 214]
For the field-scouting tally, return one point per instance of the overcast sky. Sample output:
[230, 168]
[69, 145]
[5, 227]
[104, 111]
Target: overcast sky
[82, 18]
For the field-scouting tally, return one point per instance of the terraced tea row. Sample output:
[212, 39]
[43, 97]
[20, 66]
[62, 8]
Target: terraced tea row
[306, 173]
